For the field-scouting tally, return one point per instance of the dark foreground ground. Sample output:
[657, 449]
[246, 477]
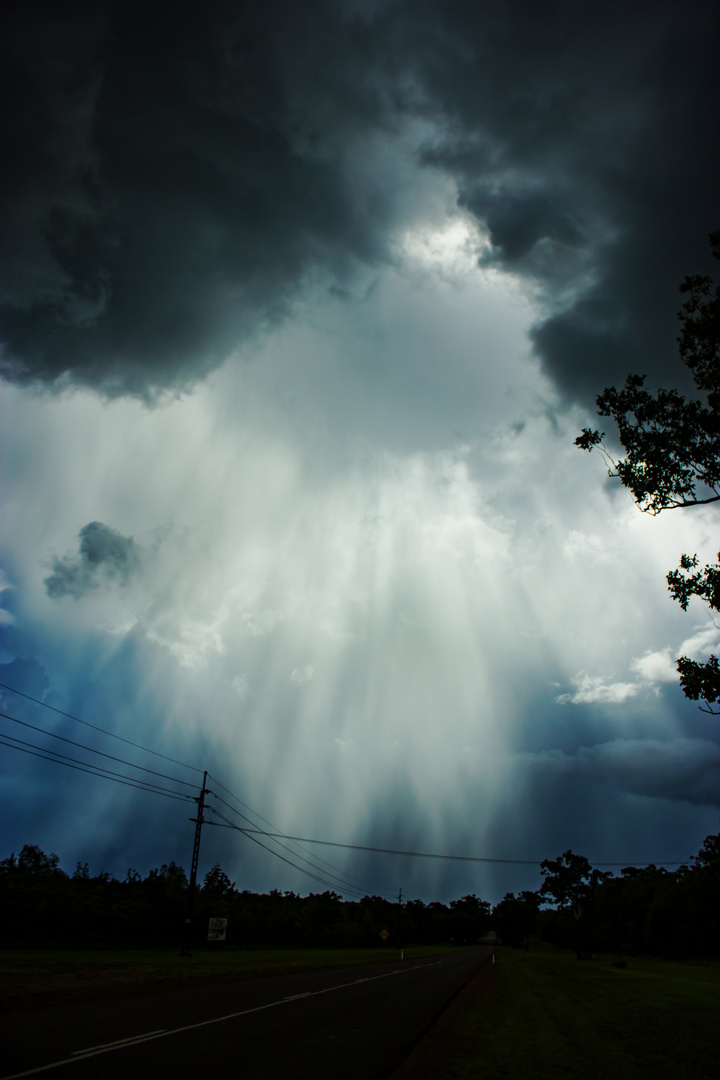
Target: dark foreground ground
[358, 1023]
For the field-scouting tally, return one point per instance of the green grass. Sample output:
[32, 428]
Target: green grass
[548, 1016]
[47, 976]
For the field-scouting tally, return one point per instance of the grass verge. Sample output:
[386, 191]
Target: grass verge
[549, 1016]
[45, 977]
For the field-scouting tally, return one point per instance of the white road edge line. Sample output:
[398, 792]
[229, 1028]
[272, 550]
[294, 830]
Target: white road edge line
[83, 1055]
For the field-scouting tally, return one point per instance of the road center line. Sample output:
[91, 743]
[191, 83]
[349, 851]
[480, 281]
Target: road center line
[83, 1055]
[120, 1042]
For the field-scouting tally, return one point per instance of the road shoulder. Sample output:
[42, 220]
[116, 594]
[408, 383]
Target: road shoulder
[430, 1058]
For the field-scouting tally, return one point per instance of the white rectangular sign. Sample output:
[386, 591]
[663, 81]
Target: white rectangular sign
[217, 929]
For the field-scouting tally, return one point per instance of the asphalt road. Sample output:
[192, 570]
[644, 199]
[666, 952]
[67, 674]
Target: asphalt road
[354, 1023]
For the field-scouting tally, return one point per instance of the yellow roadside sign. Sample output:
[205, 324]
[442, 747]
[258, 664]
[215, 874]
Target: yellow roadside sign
[384, 935]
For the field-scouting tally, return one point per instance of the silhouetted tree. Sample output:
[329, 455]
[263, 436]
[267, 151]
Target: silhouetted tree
[514, 918]
[571, 882]
[470, 918]
[34, 894]
[672, 448]
[646, 910]
[217, 883]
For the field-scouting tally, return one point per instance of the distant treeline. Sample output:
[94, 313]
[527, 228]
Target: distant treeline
[649, 910]
[42, 905]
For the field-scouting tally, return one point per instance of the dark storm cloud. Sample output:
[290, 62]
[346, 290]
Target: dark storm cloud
[104, 555]
[173, 173]
[583, 137]
[686, 770]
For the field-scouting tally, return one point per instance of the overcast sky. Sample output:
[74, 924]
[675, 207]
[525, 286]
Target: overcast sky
[302, 306]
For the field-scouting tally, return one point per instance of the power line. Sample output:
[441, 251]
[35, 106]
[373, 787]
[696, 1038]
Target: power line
[689, 852]
[61, 759]
[238, 828]
[105, 774]
[250, 833]
[98, 770]
[359, 882]
[347, 885]
[122, 761]
[435, 855]
[92, 750]
[234, 811]
[95, 727]
[393, 851]
[230, 825]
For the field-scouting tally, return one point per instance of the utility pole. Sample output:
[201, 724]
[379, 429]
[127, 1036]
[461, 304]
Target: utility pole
[402, 951]
[200, 800]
